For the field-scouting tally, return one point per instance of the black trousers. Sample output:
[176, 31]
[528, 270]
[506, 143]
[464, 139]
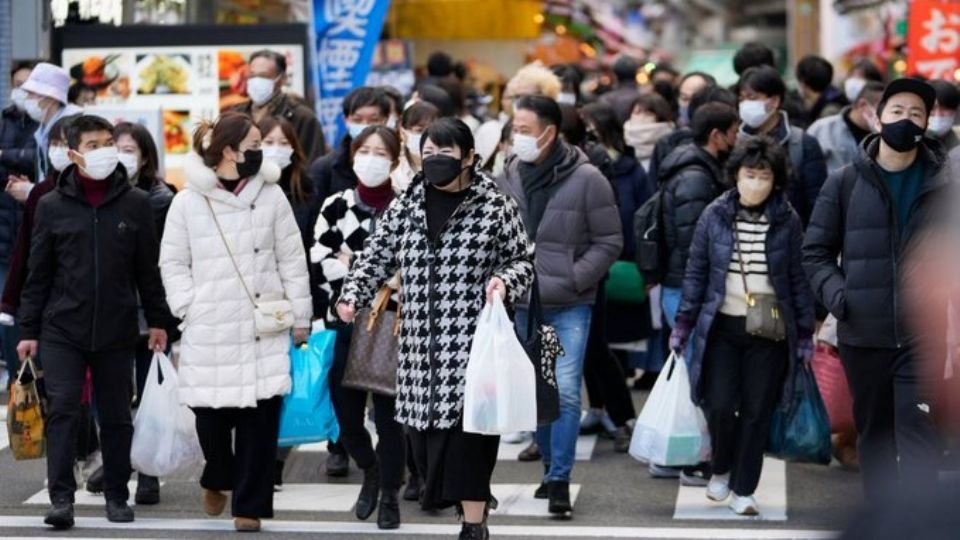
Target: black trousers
[350, 405]
[892, 408]
[64, 372]
[240, 446]
[743, 377]
[602, 372]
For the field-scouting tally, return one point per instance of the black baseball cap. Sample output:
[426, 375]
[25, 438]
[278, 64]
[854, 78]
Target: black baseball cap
[909, 85]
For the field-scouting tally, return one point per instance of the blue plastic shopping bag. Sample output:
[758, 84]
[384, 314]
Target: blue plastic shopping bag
[800, 431]
[307, 415]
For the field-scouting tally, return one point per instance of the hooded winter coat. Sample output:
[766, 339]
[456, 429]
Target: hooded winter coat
[704, 286]
[224, 362]
[855, 217]
[692, 179]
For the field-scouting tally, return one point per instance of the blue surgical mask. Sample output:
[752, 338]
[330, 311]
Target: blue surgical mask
[355, 129]
[683, 115]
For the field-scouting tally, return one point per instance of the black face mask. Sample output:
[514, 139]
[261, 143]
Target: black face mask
[440, 170]
[902, 136]
[252, 159]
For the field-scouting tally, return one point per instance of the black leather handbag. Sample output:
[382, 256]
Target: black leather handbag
[374, 348]
[542, 344]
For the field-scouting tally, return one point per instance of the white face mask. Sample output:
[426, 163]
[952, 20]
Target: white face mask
[260, 89]
[355, 129]
[372, 171]
[754, 112]
[941, 124]
[59, 159]
[101, 162]
[281, 155]
[18, 96]
[568, 98]
[130, 163]
[753, 191]
[392, 122]
[526, 147]
[33, 110]
[852, 88]
[413, 142]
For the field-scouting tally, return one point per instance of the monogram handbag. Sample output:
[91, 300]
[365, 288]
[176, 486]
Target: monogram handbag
[374, 348]
[270, 317]
[764, 318]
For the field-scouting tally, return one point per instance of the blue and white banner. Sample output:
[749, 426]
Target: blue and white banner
[348, 32]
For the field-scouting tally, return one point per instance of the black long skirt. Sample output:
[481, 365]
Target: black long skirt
[455, 466]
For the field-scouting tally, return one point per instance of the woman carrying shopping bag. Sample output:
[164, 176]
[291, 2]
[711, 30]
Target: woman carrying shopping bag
[346, 221]
[235, 272]
[456, 241]
[746, 295]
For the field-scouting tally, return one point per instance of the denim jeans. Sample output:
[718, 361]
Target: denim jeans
[558, 441]
[9, 337]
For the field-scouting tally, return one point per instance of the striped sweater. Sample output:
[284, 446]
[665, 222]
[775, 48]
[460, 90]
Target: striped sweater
[751, 232]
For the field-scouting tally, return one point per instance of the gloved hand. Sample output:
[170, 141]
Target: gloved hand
[680, 335]
[6, 319]
[805, 350]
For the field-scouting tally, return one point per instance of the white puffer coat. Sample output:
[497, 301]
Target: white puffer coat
[223, 362]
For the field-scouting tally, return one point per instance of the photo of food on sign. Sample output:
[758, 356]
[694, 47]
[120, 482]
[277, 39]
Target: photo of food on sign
[163, 74]
[106, 76]
[233, 74]
[176, 131]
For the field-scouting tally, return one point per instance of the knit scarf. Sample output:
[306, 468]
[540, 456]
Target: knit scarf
[378, 198]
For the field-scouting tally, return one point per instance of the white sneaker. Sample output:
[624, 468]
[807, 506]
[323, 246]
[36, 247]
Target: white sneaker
[516, 437]
[744, 506]
[719, 487]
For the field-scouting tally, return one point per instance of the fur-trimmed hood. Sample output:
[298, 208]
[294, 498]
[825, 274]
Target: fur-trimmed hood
[203, 179]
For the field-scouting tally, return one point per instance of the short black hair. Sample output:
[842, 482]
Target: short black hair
[85, 123]
[366, 96]
[625, 68]
[709, 117]
[870, 70]
[708, 78]
[608, 126]
[655, 104]
[759, 152]
[948, 96]
[439, 98]
[449, 132]
[58, 131]
[22, 64]
[461, 71]
[278, 59]
[872, 92]
[546, 109]
[753, 54]
[572, 127]
[439, 64]
[667, 91]
[815, 72]
[456, 92]
[764, 80]
[711, 94]
[395, 97]
[664, 67]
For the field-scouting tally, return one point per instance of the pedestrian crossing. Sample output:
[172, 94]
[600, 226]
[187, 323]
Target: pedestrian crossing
[771, 495]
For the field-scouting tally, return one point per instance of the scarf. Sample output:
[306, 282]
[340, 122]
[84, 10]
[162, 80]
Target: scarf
[378, 198]
[541, 180]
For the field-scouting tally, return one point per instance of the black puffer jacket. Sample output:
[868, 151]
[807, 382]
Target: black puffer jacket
[692, 179]
[19, 148]
[855, 217]
[88, 264]
[333, 172]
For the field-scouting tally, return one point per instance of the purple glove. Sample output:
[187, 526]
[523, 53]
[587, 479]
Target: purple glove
[680, 335]
[805, 350]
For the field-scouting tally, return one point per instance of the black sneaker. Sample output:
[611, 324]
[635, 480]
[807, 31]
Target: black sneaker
[95, 482]
[119, 512]
[60, 516]
[474, 531]
[148, 490]
[338, 465]
[559, 494]
[412, 491]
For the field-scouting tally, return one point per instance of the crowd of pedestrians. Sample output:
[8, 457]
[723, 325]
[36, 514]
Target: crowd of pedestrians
[808, 201]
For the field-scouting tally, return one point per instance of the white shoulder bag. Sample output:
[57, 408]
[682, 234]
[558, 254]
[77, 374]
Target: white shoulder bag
[271, 317]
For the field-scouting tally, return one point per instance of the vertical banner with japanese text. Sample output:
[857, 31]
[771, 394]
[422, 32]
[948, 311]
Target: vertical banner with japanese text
[934, 39]
[348, 32]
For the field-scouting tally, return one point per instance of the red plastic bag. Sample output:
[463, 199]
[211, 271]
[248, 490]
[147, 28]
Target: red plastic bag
[833, 387]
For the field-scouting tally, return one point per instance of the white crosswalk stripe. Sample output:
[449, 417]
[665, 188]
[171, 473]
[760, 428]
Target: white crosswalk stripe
[4, 436]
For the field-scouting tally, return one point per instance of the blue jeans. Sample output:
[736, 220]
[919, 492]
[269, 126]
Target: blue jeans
[9, 337]
[558, 441]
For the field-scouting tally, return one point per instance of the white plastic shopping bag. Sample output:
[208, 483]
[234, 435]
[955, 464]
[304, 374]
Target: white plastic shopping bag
[671, 430]
[164, 431]
[500, 395]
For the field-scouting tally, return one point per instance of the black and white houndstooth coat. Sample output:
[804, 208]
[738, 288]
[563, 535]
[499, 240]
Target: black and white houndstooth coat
[443, 289]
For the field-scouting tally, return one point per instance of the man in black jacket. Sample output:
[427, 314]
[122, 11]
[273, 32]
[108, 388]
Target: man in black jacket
[872, 213]
[268, 74]
[94, 251]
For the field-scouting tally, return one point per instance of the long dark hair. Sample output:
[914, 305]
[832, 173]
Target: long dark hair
[608, 126]
[299, 185]
[228, 131]
[148, 173]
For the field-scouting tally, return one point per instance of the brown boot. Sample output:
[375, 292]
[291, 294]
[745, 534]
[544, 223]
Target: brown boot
[243, 524]
[214, 502]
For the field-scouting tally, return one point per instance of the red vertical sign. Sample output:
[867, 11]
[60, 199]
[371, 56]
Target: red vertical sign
[934, 39]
